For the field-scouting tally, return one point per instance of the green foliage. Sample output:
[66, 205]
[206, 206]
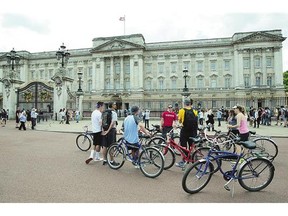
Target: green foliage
[285, 80]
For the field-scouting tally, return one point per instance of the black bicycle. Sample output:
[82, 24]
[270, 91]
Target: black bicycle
[84, 140]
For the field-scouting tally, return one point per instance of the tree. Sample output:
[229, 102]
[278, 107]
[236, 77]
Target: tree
[285, 80]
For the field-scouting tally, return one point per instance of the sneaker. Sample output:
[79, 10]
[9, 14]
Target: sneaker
[88, 160]
[113, 163]
[180, 164]
[98, 159]
[104, 162]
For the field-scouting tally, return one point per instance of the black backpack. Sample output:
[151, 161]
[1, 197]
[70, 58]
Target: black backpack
[190, 120]
[106, 119]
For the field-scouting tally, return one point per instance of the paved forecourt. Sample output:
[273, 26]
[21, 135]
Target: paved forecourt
[45, 166]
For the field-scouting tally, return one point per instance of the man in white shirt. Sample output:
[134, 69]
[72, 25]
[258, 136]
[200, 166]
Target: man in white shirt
[96, 119]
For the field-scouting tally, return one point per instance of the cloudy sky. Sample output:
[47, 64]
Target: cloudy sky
[35, 25]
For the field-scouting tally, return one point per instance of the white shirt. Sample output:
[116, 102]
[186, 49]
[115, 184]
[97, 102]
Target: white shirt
[96, 121]
[114, 118]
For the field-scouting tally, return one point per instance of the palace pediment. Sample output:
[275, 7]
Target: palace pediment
[116, 45]
[259, 37]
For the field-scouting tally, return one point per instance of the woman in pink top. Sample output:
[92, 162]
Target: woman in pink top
[242, 123]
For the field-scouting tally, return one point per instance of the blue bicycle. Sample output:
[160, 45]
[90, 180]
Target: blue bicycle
[252, 173]
[149, 159]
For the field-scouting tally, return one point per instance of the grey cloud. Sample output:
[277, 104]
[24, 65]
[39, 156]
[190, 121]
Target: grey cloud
[18, 20]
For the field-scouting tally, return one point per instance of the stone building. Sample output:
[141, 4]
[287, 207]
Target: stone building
[243, 69]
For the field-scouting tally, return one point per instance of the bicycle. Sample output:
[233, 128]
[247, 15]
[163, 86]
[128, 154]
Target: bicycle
[265, 146]
[83, 140]
[190, 154]
[150, 160]
[248, 174]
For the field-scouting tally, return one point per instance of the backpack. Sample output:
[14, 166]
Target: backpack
[190, 120]
[106, 119]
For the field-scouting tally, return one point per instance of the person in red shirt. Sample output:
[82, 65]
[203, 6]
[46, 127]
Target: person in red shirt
[168, 120]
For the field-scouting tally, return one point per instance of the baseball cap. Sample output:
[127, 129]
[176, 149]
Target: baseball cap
[187, 101]
[134, 109]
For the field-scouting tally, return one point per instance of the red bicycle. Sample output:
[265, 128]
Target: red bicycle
[189, 155]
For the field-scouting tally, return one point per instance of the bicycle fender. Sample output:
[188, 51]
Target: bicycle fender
[253, 158]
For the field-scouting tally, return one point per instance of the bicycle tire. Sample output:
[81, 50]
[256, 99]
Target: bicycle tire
[169, 155]
[151, 162]
[224, 145]
[83, 142]
[156, 141]
[118, 154]
[194, 178]
[201, 153]
[265, 147]
[256, 168]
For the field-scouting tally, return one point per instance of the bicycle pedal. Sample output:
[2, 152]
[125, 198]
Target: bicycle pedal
[227, 187]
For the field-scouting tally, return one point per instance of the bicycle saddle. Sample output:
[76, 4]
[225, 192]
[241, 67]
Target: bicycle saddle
[248, 144]
[195, 139]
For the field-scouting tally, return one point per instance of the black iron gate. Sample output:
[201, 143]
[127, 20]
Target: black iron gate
[36, 95]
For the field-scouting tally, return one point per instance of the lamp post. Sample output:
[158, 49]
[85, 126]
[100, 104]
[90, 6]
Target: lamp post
[185, 89]
[62, 54]
[80, 91]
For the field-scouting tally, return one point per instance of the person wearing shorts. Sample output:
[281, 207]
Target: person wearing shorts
[109, 136]
[96, 119]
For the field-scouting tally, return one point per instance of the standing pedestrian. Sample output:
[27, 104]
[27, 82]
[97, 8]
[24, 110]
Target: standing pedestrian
[96, 119]
[188, 117]
[147, 118]
[168, 120]
[242, 124]
[17, 115]
[22, 119]
[34, 115]
[77, 116]
[219, 117]
[109, 134]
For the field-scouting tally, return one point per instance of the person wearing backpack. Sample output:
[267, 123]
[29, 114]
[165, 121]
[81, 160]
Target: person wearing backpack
[109, 124]
[188, 117]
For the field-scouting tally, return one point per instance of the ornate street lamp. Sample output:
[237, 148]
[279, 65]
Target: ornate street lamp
[185, 89]
[80, 91]
[62, 54]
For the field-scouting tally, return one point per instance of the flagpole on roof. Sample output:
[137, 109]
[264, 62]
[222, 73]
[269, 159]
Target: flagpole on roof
[124, 25]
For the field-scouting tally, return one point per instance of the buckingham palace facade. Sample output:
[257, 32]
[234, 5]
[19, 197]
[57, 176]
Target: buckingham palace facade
[243, 69]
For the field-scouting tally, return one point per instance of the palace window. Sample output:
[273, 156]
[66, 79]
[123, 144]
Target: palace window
[161, 67]
[227, 65]
[108, 70]
[227, 82]
[200, 82]
[269, 62]
[173, 67]
[213, 83]
[199, 66]
[89, 85]
[161, 84]
[148, 68]
[213, 65]
[257, 62]
[127, 83]
[186, 65]
[247, 81]
[246, 63]
[90, 72]
[258, 81]
[269, 81]
[117, 68]
[149, 84]
[174, 84]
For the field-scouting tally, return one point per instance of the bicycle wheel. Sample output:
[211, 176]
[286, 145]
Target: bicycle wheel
[156, 141]
[225, 143]
[201, 153]
[197, 177]
[169, 155]
[265, 147]
[151, 162]
[115, 156]
[83, 142]
[256, 174]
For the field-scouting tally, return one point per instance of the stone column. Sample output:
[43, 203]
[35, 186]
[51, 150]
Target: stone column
[264, 68]
[121, 73]
[112, 73]
[100, 75]
[278, 68]
[236, 69]
[94, 79]
[140, 72]
[132, 73]
[252, 69]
